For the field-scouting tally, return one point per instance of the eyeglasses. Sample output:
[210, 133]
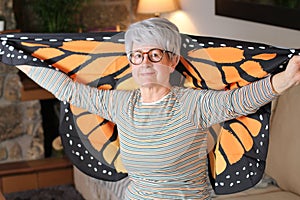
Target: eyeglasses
[154, 55]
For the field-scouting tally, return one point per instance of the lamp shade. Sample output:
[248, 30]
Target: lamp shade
[156, 6]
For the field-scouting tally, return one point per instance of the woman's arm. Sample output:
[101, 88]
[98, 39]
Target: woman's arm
[65, 89]
[220, 106]
[216, 106]
[54, 81]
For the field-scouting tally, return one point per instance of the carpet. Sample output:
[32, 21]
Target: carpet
[62, 192]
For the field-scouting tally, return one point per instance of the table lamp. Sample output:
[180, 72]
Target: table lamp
[156, 6]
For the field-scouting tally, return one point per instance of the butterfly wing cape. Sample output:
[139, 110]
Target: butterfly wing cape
[239, 146]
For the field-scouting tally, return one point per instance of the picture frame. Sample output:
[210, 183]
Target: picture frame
[256, 11]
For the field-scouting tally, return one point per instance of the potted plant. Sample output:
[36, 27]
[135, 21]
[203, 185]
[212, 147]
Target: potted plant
[58, 15]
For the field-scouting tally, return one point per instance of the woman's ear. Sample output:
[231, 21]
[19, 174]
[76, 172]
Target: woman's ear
[175, 60]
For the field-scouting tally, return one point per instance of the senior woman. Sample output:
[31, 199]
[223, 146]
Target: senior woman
[161, 127]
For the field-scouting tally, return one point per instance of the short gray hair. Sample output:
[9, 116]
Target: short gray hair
[154, 31]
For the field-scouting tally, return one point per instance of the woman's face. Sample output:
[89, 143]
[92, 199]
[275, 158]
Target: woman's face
[151, 73]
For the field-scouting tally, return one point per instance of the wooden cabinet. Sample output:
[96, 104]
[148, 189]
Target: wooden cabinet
[35, 174]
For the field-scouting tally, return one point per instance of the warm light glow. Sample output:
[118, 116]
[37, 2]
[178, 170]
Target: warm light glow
[183, 21]
[157, 6]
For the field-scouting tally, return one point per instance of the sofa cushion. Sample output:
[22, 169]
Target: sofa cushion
[250, 192]
[283, 161]
[281, 195]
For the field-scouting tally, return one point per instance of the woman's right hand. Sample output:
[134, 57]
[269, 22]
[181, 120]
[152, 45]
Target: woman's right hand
[24, 68]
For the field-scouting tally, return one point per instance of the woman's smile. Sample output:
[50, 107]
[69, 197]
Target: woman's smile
[149, 73]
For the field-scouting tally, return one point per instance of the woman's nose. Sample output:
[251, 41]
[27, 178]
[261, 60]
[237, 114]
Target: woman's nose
[146, 58]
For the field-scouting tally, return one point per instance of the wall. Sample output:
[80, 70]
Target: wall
[198, 17]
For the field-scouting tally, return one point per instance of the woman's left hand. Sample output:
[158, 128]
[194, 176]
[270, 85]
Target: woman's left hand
[288, 78]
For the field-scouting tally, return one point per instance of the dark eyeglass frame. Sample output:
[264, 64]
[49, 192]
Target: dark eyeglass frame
[130, 55]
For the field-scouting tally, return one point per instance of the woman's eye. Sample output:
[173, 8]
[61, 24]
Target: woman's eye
[137, 55]
[154, 55]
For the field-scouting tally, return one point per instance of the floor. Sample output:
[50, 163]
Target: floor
[63, 192]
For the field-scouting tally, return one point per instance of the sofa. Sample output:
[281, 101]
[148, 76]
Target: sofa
[282, 175]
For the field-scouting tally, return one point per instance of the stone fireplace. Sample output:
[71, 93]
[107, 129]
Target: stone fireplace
[21, 133]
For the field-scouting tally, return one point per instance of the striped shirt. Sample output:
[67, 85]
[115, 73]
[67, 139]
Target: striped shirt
[163, 144]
